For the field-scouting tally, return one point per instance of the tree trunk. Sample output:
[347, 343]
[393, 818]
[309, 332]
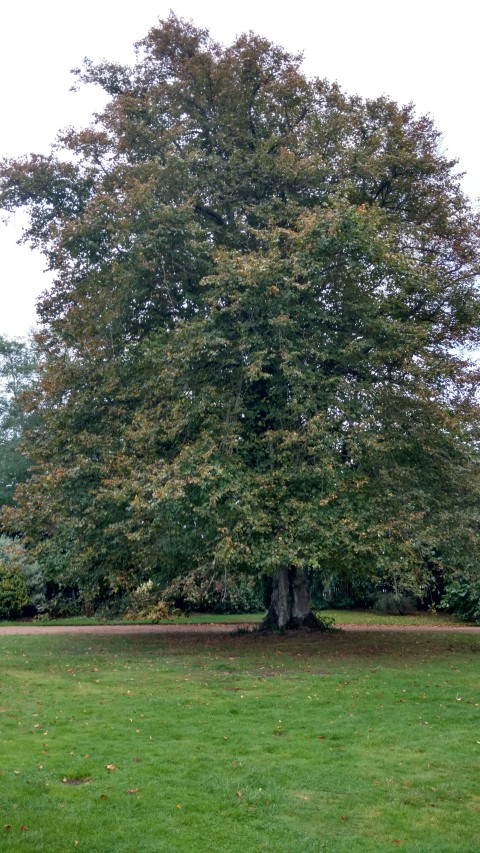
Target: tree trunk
[290, 603]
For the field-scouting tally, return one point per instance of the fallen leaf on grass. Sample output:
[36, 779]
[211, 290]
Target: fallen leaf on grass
[110, 767]
[23, 828]
[343, 817]
[7, 825]
[103, 797]
[133, 790]
[178, 806]
[238, 794]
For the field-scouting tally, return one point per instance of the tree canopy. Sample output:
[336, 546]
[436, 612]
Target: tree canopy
[253, 353]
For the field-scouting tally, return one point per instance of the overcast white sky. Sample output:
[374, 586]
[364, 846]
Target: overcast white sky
[416, 50]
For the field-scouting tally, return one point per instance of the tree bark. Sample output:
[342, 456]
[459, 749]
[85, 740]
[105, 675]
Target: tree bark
[290, 603]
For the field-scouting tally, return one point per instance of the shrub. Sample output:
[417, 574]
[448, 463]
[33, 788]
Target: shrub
[13, 554]
[144, 602]
[144, 596]
[63, 602]
[396, 603]
[462, 596]
[339, 592]
[152, 613]
[35, 582]
[13, 590]
[209, 592]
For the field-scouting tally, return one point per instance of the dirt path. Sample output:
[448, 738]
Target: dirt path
[217, 628]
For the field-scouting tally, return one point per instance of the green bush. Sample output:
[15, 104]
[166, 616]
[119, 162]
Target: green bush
[13, 590]
[14, 555]
[339, 592]
[462, 596]
[395, 603]
[144, 602]
[156, 612]
[64, 602]
[35, 585]
[208, 592]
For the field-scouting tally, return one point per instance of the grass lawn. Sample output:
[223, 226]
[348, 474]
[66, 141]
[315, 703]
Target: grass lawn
[194, 619]
[225, 743]
[370, 617]
[341, 617]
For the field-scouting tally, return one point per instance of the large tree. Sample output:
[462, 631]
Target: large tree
[254, 349]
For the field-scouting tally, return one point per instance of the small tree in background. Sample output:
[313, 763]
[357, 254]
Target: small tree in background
[18, 364]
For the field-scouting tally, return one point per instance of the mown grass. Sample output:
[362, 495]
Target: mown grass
[341, 617]
[193, 619]
[305, 743]
[371, 617]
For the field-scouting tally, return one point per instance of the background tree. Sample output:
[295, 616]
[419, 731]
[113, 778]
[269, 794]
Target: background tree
[18, 365]
[250, 352]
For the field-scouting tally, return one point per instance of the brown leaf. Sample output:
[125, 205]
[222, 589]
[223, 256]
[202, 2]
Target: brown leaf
[133, 790]
[23, 828]
[7, 825]
[103, 797]
[110, 767]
